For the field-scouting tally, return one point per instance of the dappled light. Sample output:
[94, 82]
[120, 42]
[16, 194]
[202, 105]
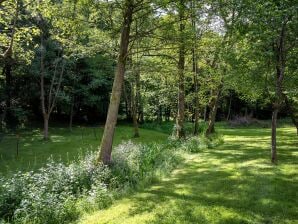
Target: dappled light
[234, 183]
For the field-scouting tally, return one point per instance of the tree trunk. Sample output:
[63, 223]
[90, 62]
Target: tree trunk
[196, 99]
[205, 113]
[42, 91]
[280, 54]
[134, 113]
[139, 103]
[229, 109]
[181, 63]
[273, 136]
[213, 112]
[195, 70]
[107, 138]
[127, 103]
[46, 126]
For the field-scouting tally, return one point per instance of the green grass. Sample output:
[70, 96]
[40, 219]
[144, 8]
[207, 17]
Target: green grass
[63, 145]
[234, 183]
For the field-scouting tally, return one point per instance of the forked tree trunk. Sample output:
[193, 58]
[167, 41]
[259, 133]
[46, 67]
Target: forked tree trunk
[181, 63]
[53, 93]
[213, 112]
[107, 139]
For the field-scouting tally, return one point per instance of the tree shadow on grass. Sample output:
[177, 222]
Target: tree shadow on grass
[231, 184]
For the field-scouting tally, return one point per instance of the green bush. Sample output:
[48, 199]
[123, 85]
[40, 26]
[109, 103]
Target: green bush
[58, 193]
[195, 143]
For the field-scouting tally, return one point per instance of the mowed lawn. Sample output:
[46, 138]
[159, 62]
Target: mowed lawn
[64, 146]
[234, 183]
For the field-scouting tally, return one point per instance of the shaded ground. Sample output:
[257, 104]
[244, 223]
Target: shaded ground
[234, 183]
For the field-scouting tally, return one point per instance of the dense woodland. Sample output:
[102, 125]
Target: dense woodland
[96, 62]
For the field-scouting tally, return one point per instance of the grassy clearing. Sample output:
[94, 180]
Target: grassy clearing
[233, 183]
[64, 145]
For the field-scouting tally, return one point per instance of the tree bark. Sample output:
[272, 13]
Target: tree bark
[107, 139]
[134, 113]
[127, 103]
[205, 113]
[181, 63]
[229, 109]
[280, 52]
[42, 91]
[196, 99]
[213, 112]
[139, 103]
[45, 126]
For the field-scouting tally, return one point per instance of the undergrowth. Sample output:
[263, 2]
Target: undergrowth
[59, 193]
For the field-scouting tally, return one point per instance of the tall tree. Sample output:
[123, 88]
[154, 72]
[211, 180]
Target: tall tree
[107, 139]
[181, 66]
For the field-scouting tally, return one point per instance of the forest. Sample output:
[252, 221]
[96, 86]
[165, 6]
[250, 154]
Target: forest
[148, 111]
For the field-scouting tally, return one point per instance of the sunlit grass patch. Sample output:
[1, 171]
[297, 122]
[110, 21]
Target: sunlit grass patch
[232, 183]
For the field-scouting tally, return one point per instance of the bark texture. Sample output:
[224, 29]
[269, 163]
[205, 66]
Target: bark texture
[181, 63]
[107, 139]
[213, 111]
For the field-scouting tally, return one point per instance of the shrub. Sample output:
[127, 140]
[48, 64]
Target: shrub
[57, 193]
[195, 143]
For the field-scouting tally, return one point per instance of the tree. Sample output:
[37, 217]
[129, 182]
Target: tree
[107, 139]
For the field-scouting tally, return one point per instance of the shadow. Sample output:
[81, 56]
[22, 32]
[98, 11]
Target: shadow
[234, 183]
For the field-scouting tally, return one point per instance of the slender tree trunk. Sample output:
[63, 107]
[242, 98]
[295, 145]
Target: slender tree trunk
[139, 103]
[229, 109]
[128, 105]
[273, 135]
[42, 91]
[108, 135]
[205, 113]
[280, 70]
[46, 126]
[134, 113]
[196, 99]
[195, 70]
[181, 63]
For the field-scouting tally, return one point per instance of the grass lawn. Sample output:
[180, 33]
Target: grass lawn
[64, 145]
[234, 183]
